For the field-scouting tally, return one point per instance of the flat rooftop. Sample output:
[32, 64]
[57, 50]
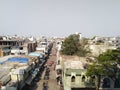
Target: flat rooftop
[14, 61]
[73, 64]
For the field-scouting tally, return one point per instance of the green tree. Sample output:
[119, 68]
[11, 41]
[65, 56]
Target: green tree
[107, 65]
[73, 46]
[84, 41]
[70, 45]
[83, 48]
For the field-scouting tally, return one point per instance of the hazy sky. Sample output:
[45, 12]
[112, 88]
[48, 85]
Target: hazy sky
[60, 17]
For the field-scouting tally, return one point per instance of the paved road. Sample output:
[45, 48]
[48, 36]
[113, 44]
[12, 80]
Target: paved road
[51, 82]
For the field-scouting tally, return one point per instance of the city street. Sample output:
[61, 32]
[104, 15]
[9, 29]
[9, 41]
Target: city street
[48, 78]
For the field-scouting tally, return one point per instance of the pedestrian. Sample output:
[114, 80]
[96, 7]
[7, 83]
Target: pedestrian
[57, 80]
[43, 84]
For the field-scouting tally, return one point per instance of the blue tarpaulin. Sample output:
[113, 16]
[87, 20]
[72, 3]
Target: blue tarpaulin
[20, 60]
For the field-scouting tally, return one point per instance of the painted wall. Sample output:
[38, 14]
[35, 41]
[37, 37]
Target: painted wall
[78, 81]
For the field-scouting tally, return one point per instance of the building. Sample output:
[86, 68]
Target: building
[74, 77]
[96, 50]
[20, 71]
[107, 83]
[16, 42]
[5, 50]
[24, 49]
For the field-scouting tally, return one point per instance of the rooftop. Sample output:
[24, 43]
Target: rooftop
[73, 64]
[13, 61]
[3, 59]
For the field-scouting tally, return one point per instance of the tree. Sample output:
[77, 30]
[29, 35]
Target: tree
[83, 48]
[73, 46]
[70, 45]
[107, 65]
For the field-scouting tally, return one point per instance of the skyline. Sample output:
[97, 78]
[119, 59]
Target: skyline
[60, 17]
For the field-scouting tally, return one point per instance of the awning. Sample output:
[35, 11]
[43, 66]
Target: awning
[34, 54]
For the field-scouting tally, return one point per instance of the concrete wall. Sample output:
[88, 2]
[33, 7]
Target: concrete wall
[99, 49]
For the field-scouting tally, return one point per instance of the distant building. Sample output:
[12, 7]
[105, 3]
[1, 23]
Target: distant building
[5, 50]
[80, 35]
[11, 42]
[7, 43]
[110, 41]
[96, 50]
[25, 48]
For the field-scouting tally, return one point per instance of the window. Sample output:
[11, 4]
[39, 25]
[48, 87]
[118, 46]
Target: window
[73, 79]
[83, 78]
[21, 48]
[106, 83]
